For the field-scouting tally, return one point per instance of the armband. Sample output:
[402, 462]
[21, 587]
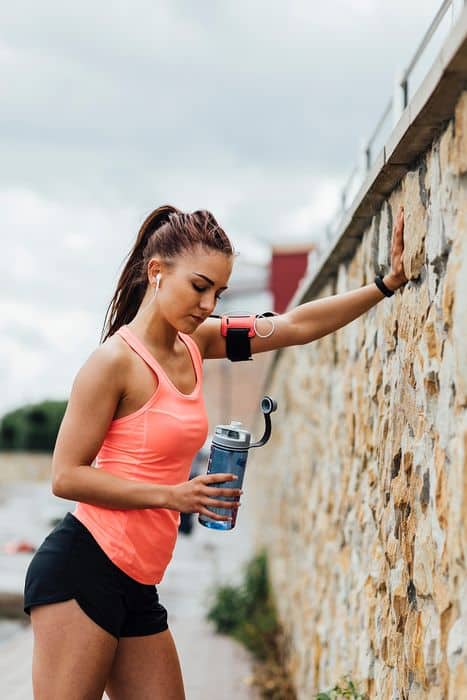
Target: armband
[237, 331]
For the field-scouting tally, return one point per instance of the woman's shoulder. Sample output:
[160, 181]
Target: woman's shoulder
[104, 372]
[109, 357]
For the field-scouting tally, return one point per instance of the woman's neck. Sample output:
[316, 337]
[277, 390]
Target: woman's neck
[154, 331]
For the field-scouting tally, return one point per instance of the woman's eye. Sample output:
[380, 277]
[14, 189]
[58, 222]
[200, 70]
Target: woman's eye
[203, 289]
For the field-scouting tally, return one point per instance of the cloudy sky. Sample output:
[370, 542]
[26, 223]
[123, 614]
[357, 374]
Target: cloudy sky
[254, 110]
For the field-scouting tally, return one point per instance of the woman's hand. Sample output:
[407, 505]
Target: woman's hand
[396, 278]
[196, 496]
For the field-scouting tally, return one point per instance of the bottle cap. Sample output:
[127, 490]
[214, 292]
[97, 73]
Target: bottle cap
[234, 436]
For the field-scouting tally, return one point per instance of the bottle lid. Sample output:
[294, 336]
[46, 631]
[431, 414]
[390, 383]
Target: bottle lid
[234, 436]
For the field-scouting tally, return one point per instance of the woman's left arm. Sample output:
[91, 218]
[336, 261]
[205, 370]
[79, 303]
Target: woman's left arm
[319, 317]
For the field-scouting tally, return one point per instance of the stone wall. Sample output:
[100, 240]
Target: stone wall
[361, 495]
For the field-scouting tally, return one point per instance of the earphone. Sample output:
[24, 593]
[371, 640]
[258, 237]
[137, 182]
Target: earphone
[158, 281]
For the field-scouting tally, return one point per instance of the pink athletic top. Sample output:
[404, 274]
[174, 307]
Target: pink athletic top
[156, 443]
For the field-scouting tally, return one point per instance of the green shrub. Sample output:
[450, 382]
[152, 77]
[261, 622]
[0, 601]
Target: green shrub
[33, 427]
[247, 613]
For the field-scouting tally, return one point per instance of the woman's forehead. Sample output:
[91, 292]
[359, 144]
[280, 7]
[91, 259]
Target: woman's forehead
[211, 264]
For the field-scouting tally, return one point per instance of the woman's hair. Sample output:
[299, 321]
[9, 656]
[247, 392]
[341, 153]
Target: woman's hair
[165, 233]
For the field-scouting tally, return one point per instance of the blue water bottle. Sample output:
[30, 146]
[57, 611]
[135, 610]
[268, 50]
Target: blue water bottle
[228, 455]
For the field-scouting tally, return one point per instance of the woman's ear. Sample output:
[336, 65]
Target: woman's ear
[154, 268]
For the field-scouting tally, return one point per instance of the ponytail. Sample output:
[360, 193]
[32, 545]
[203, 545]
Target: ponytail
[177, 232]
[132, 284]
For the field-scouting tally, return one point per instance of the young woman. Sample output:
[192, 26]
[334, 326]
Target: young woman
[136, 407]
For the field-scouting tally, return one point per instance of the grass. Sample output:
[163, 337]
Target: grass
[348, 689]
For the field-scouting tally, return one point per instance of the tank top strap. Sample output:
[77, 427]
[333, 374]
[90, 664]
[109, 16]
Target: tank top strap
[140, 350]
[194, 352]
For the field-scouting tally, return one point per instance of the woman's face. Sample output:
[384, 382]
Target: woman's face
[191, 285]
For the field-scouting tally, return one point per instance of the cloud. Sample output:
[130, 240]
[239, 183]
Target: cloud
[112, 101]
[40, 352]
[253, 110]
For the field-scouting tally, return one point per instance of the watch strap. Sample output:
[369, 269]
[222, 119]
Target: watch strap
[382, 287]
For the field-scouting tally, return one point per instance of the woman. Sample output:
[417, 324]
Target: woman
[136, 406]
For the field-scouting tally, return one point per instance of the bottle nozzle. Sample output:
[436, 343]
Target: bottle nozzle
[268, 406]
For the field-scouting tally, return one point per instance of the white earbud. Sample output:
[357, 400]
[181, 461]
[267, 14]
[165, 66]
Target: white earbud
[158, 281]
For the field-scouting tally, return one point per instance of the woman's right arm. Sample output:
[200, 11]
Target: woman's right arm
[94, 397]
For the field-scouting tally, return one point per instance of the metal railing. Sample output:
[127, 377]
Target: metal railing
[394, 107]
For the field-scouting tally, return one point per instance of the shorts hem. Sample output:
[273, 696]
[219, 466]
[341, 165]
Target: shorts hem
[46, 601]
[88, 610]
[95, 616]
[145, 633]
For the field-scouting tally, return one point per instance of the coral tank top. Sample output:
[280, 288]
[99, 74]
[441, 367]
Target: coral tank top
[156, 443]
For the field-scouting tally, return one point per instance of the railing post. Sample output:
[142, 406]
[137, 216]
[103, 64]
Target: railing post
[400, 96]
[343, 198]
[365, 156]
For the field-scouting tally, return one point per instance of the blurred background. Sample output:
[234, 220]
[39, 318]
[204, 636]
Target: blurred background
[256, 111]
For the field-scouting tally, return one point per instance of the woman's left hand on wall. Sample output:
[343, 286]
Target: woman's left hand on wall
[397, 274]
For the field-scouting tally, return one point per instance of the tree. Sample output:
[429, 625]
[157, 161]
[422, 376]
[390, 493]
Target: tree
[33, 427]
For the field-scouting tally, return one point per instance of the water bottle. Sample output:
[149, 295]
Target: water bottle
[228, 455]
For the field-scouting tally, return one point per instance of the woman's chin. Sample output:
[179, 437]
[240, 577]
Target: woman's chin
[189, 325]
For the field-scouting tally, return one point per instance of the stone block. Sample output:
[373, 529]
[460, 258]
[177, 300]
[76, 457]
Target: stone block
[460, 311]
[414, 226]
[460, 139]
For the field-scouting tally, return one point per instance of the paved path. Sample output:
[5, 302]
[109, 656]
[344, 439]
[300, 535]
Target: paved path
[209, 662]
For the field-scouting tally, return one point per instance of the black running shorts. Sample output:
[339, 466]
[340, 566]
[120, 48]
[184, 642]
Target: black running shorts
[70, 564]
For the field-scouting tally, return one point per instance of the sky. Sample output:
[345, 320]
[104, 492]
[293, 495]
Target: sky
[254, 110]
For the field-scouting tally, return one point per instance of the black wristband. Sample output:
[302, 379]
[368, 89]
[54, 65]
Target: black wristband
[382, 287]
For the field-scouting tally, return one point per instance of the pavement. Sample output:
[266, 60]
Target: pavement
[205, 558]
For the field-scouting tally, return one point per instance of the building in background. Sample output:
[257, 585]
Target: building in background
[289, 264]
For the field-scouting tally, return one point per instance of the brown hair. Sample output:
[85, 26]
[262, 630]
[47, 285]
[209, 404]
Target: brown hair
[166, 232]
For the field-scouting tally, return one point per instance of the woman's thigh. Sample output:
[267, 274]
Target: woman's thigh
[146, 668]
[72, 655]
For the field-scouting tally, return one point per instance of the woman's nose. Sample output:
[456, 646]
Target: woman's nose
[207, 304]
